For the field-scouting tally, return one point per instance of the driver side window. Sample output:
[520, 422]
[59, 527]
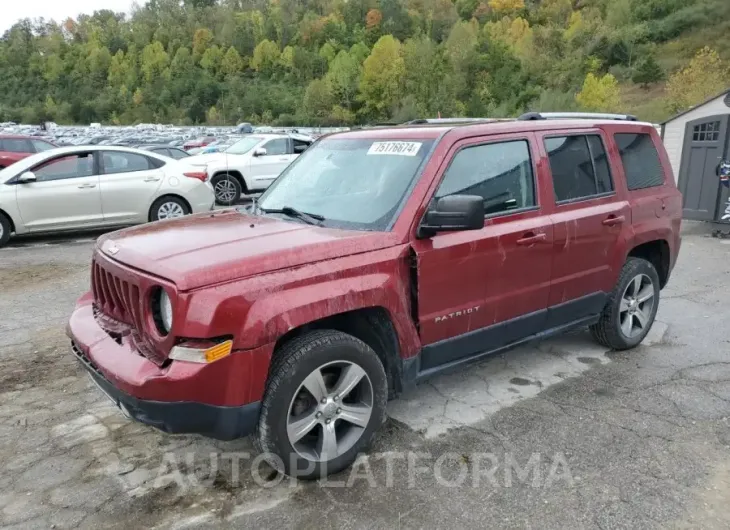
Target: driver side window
[279, 146]
[501, 173]
[66, 167]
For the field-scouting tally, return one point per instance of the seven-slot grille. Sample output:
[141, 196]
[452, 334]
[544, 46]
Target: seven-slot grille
[115, 297]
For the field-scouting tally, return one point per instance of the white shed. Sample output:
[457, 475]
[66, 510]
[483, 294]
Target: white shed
[696, 141]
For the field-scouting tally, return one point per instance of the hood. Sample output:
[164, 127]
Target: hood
[211, 248]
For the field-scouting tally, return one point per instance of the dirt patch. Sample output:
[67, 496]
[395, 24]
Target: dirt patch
[47, 359]
[29, 276]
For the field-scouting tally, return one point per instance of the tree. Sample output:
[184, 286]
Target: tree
[265, 56]
[343, 78]
[212, 60]
[705, 76]
[648, 71]
[599, 94]
[232, 64]
[318, 99]
[507, 5]
[382, 77]
[154, 61]
[202, 40]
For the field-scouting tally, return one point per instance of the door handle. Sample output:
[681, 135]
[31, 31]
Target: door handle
[86, 186]
[284, 159]
[614, 220]
[530, 238]
[151, 179]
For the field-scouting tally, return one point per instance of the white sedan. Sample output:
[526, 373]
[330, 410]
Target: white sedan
[77, 188]
[251, 164]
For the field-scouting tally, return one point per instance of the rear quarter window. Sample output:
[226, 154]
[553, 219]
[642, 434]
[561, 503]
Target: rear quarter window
[640, 159]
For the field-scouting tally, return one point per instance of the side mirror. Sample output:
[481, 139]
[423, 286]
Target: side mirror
[27, 177]
[454, 213]
[259, 151]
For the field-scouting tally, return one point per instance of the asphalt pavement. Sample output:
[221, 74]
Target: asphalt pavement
[560, 434]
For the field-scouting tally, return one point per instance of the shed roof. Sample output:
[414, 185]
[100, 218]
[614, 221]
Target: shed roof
[724, 92]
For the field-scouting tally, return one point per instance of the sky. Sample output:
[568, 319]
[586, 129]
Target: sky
[59, 10]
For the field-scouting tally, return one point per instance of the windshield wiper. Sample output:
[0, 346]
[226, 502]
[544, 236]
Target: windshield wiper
[311, 218]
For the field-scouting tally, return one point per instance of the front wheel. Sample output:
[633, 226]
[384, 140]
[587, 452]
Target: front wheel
[4, 230]
[631, 308]
[227, 189]
[168, 208]
[324, 401]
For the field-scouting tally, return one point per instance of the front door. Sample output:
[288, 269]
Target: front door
[704, 148]
[128, 183]
[483, 289]
[265, 168]
[65, 195]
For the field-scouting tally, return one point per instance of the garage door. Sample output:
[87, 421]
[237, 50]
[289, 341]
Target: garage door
[705, 145]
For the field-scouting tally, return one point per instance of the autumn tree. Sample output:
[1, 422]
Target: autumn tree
[265, 56]
[599, 94]
[706, 75]
[382, 77]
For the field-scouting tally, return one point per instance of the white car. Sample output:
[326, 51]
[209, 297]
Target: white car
[76, 188]
[251, 164]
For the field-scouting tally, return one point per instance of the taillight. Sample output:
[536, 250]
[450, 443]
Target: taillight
[200, 175]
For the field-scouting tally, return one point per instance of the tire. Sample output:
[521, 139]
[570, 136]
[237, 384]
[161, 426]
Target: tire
[175, 206]
[227, 189]
[5, 229]
[324, 352]
[621, 313]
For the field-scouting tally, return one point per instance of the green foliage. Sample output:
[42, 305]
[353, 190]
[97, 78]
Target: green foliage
[305, 61]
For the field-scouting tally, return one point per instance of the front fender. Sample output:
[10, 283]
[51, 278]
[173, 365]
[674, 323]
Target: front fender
[261, 310]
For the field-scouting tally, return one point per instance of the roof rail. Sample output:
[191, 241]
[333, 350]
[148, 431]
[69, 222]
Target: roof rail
[575, 115]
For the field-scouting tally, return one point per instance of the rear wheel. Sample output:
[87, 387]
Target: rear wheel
[324, 401]
[631, 308]
[227, 189]
[168, 208]
[5, 229]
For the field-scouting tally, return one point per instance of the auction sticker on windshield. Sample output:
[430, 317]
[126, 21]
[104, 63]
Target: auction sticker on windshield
[395, 148]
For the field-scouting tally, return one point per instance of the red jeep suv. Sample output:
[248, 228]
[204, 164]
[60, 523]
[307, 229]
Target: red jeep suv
[379, 258]
[14, 148]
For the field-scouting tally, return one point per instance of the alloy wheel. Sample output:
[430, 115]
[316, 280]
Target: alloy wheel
[170, 210]
[225, 190]
[637, 304]
[330, 411]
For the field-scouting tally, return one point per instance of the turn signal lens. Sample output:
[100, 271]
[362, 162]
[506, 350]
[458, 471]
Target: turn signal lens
[202, 355]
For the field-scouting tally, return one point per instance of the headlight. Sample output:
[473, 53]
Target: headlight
[162, 311]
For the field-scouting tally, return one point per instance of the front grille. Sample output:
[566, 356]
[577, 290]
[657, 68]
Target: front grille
[116, 297]
[119, 310]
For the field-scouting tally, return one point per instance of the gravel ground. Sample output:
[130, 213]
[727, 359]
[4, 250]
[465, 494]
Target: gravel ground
[558, 435]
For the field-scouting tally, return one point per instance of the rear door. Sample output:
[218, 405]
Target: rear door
[589, 217]
[64, 196]
[128, 182]
[265, 168]
[479, 290]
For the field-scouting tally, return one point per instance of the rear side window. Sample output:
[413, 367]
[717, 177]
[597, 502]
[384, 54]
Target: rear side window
[121, 162]
[641, 161]
[579, 167]
[15, 145]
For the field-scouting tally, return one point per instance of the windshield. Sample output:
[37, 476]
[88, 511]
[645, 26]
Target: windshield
[356, 184]
[244, 146]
